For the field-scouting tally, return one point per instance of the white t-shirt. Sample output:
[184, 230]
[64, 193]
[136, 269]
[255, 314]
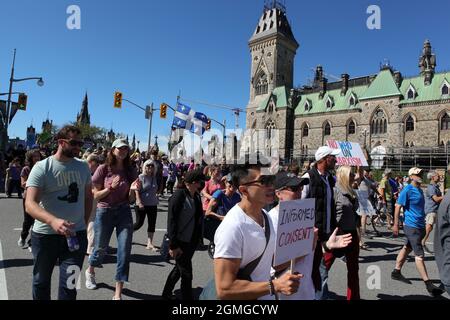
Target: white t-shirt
[240, 237]
[306, 290]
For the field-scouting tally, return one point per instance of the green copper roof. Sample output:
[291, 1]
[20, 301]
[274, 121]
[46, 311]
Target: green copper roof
[339, 102]
[383, 86]
[281, 98]
[424, 93]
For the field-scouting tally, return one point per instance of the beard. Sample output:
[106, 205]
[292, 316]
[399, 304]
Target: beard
[69, 153]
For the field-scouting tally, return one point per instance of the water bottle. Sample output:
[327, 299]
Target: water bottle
[72, 243]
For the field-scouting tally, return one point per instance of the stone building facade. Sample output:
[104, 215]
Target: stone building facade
[379, 110]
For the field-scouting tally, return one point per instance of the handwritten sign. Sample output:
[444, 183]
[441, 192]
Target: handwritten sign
[295, 230]
[351, 153]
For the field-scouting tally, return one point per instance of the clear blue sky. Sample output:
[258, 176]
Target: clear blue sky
[150, 50]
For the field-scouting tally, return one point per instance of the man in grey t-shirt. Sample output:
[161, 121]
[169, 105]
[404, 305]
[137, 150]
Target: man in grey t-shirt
[59, 197]
[433, 198]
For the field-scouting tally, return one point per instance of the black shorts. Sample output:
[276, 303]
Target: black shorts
[413, 240]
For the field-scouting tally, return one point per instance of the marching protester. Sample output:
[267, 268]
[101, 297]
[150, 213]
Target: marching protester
[114, 186]
[221, 202]
[321, 184]
[245, 243]
[147, 202]
[433, 198]
[59, 198]
[172, 177]
[32, 157]
[13, 181]
[413, 202]
[387, 197]
[185, 218]
[93, 162]
[289, 187]
[442, 240]
[348, 221]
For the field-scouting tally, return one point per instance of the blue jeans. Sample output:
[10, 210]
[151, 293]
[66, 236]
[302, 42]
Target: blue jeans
[106, 219]
[47, 250]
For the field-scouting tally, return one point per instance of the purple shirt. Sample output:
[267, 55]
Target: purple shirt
[104, 177]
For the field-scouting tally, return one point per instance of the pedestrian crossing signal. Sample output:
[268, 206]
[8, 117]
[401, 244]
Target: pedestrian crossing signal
[163, 111]
[208, 125]
[22, 102]
[118, 100]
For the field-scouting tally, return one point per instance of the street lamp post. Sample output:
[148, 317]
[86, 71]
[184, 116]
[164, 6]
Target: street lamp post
[40, 83]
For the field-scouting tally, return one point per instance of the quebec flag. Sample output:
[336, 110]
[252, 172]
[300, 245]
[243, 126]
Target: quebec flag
[199, 123]
[183, 116]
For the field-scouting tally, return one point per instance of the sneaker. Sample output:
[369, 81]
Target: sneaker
[21, 242]
[30, 249]
[90, 280]
[427, 250]
[397, 275]
[115, 298]
[432, 289]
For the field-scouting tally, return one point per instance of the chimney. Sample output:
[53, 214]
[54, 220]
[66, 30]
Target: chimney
[344, 78]
[318, 76]
[323, 87]
[398, 78]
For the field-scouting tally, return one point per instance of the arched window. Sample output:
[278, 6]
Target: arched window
[444, 89]
[379, 123]
[269, 127]
[352, 101]
[270, 109]
[445, 122]
[327, 129]
[262, 85]
[410, 94]
[351, 127]
[409, 123]
[305, 130]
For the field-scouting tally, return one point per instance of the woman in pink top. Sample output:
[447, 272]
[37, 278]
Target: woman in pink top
[114, 187]
[212, 185]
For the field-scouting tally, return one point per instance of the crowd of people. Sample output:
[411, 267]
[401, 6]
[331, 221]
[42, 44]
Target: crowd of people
[73, 202]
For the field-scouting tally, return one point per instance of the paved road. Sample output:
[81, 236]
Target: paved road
[148, 272]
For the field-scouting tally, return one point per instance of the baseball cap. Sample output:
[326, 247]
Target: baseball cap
[288, 179]
[324, 151]
[194, 176]
[120, 143]
[414, 171]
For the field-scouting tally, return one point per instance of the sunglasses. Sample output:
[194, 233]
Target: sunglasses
[263, 180]
[74, 143]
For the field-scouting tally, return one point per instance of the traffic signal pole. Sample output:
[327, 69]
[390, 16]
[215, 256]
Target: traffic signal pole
[150, 120]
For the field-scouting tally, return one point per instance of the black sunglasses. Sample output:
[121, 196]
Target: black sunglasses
[263, 180]
[74, 143]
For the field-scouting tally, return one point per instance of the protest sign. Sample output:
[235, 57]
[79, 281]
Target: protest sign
[351, 153]
[295, 230]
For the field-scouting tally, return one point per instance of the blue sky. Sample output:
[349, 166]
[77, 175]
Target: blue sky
[151, 50]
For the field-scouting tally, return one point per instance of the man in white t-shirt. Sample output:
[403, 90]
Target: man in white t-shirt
[289, 187]
[240, 239]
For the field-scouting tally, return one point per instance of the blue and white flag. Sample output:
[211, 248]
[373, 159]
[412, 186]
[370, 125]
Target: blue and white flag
[183, 116]
[199, 123]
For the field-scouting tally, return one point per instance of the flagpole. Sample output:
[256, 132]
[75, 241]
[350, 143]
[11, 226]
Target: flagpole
[171, 130]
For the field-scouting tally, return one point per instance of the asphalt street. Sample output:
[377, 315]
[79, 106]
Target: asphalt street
[148, 271]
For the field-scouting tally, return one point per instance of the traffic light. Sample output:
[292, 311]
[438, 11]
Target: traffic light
[208, 125]
[118, 100]
[163, 111]
[22, 101]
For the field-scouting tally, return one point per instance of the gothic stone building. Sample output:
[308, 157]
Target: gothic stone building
[384, 109]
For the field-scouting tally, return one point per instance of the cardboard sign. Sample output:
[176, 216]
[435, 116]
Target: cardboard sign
[295, 230]
[351, 153]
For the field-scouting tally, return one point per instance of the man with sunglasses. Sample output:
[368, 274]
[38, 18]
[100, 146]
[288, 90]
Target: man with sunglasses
[246, 237]
[59, 197]
[321, 184]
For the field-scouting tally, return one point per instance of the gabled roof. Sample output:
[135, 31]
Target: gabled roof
[424, 93]
[320, 105]
[272, 22]
[281, 98]
[383, 86]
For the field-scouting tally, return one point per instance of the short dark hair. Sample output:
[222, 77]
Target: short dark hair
[64, 132]
[239, 173]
